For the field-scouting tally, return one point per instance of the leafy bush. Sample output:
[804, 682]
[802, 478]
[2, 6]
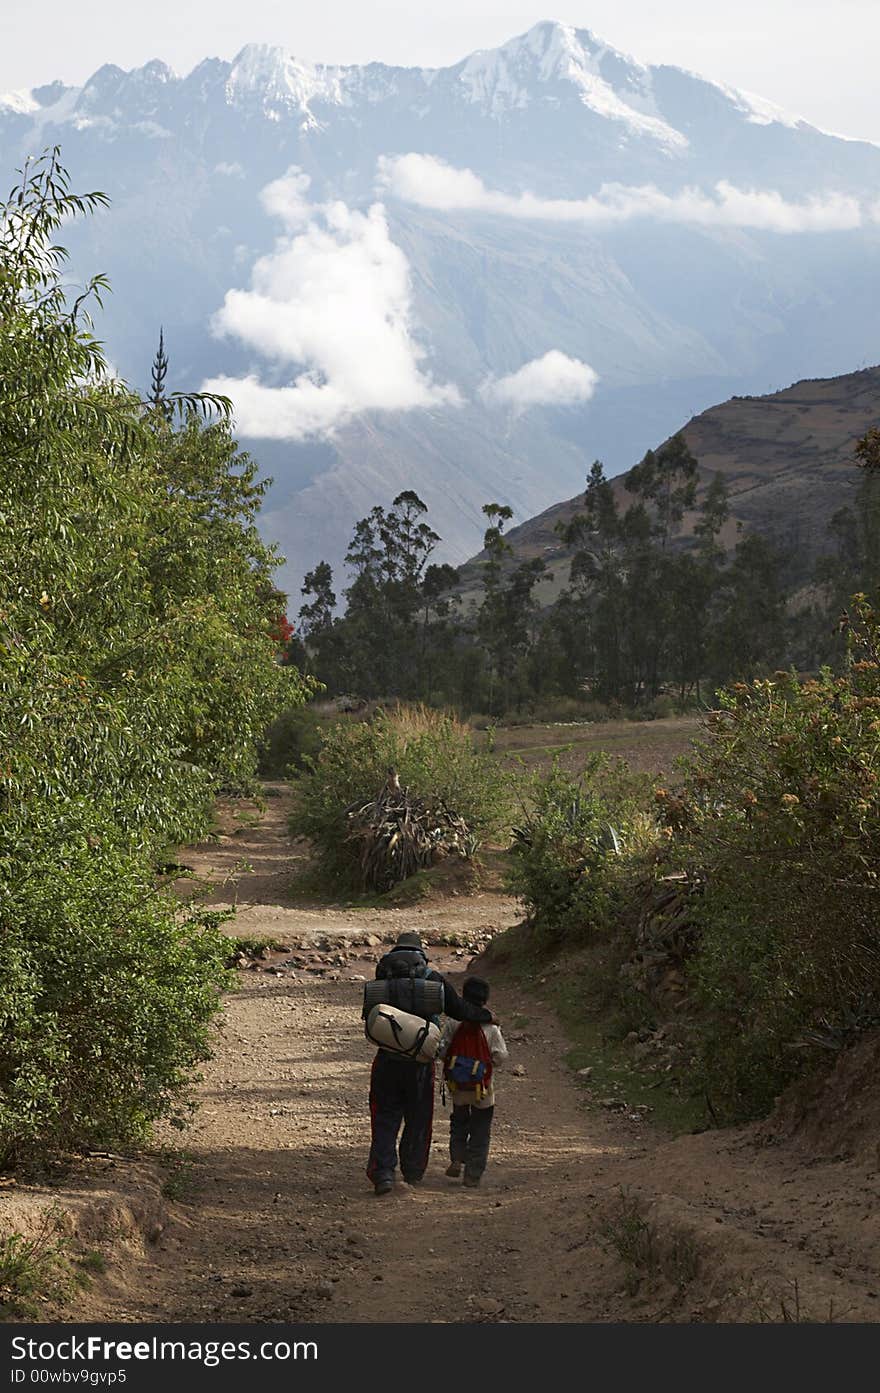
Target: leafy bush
[660, 708]
[576, 837]
[291, 739]
[139, 643]
[779, 819]
[434, 755]
[105, 999]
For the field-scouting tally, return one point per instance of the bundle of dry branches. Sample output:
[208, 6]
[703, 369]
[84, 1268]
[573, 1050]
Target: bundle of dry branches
[400, 833]
[666, 935]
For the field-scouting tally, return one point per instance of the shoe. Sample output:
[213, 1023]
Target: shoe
[383, 1187]
[471, 1181]
[412, 1180]
[454, 1169]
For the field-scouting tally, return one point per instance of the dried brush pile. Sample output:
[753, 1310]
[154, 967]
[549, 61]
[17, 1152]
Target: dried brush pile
[399, 833]
[667, 935]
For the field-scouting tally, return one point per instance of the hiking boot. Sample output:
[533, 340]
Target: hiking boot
[454, 1169]
[471, 1181]
[412, 1180]
[383, 1187]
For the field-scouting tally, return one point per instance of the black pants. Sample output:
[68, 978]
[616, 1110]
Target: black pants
[400, 1091]
[469, 1129]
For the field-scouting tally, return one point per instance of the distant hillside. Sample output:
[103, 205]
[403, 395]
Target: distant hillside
[787, 459]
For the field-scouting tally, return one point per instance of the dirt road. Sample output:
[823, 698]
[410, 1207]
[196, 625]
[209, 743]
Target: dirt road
[274, 1217]
[583, 1215]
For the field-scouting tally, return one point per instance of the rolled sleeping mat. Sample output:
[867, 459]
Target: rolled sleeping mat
[396, 1030]
[420, 996]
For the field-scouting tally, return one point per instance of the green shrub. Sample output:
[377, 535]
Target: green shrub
[34, 1266]
[434, 754]
[291, 739]
[779, 820]
[660, 708]
[105, 998]
[571, 849]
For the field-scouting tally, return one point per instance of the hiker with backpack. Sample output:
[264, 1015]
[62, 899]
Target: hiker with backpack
[470, 1055]
[401, 1012]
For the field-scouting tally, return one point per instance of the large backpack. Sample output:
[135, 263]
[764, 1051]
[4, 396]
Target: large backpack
[403, 962]
[402, 981]
[420, 996]
[468, 1063]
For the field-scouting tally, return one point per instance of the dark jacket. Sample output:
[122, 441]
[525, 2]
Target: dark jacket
[454, 1005]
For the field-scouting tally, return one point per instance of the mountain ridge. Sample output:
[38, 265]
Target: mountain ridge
[562, 52]
[604, 80]
[787, 458]
[669, 313]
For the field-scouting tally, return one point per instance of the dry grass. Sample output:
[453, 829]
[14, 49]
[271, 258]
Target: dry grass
[412, 720]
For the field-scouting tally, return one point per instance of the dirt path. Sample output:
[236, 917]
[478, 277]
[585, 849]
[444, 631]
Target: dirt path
[276, 1220]
[583, 1216]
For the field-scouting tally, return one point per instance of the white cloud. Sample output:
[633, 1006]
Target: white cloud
[333, 299]
[234, 170]
[287, 198]
[430, 183]
[553, 380]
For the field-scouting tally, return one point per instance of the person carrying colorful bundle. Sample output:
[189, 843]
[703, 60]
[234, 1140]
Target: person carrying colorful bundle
[471, 1053]
[402, 1085]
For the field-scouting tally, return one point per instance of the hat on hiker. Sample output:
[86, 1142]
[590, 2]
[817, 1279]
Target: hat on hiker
[476, 990]
[408, 940]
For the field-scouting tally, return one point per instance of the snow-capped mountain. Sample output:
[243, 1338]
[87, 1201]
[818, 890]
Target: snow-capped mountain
[470, 281]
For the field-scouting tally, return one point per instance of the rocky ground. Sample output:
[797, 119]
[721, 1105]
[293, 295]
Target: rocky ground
[262, 1212]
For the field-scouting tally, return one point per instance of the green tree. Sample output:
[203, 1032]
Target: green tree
[588, 615]
[854, 565]
[506, 622]
[439, 629]
[666, 481]
[158, 372]
[138, 666]
[749, 636]
[694, 579]
[318, 624]
[388, 555]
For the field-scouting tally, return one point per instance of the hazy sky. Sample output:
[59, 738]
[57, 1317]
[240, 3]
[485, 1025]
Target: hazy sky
[815, 58]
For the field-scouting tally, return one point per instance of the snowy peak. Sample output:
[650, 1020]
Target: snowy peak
[576, 213]
[19, 103]
[552, 61]
[114, 100]
[104, 84]
[757, 110]
[272, 79]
